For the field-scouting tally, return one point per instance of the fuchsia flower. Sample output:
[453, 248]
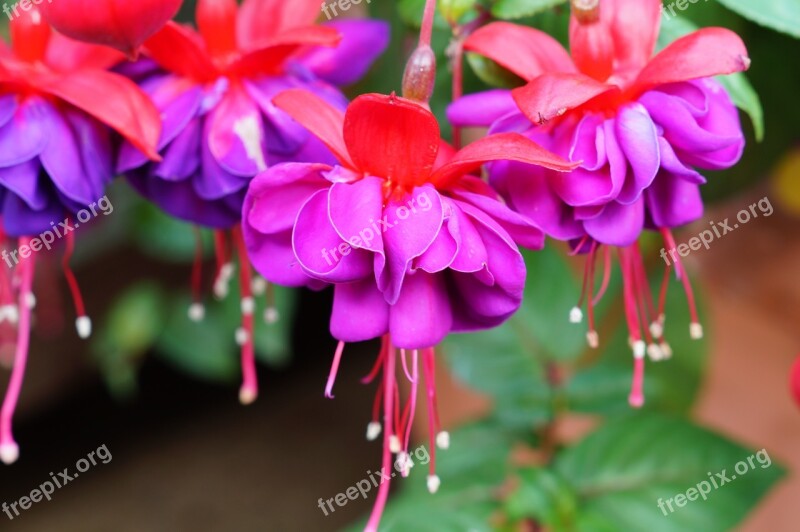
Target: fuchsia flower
[58, 107]
[640, 126]
[214, 89]
[415, 246]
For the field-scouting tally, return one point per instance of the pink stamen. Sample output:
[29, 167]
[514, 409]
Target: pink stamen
[83, 323]
[9, 450]
[687, 285]
[376, 368]
[197, 268]
[249, 390]
[337, 358]
[433, 417]
[412, 400]
[606, 275]
[636, 398]
[388, 408]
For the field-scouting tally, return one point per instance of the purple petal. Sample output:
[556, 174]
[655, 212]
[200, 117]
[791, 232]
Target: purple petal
[408, 234]
[276, 196]
[638, 139]
[284, 135]
[214, 182]
[24, 137]
[521, 229]
[422, 315]
[482, 108]
[235, 134]
[181, 159]
[23, 181]
[321, 251]
[8, 106]
[672, 164]
[673, 201]
[363, 41]
[20, 220]
[359, 313]
[618, 224]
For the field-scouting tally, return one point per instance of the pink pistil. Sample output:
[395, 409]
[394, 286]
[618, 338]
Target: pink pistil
[337, 358]
[249, 390]
[388, 412]
[9, 450]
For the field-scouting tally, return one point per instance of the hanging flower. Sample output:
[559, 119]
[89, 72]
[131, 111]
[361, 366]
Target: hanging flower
[415, 246]
[121, 24]
[58, 107]
[640, 126]
[214, 90]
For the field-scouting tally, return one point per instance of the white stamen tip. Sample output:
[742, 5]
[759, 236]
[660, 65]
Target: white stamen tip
[197, 312]
[639, 349]
[666, 350]
[433, 483]
[30, 300]
[657, 329]
[404, 463]
[394, 444]
[247, 396]
[654, 352]
[696, 331]
[242, 337]
[593, 339]
[443, 440]
[373, 431]
[248, 306]
[259, 286]
[575, 315]
[9, 453]
[84, 327]
[227, 271]
[8, 312]
[271, 316]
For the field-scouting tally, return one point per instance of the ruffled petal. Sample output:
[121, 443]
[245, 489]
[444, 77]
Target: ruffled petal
[422, 315]
[236, 136]
[360, 312]
[482, 108]
[23, 181]
[618, 225]
[25, 135]
[673, 201]
[638, 139]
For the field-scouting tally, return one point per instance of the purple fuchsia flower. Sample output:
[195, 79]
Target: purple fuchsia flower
[640, 126]
[415, 246]
[214, 89]
[58, 107]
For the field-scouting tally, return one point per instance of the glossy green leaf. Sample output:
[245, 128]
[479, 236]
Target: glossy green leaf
[543, 496]
[622, 471]
[514, 9]
[779, 15]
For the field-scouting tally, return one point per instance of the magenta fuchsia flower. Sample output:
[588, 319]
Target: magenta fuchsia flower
[415, 246]
[58, 107]
[214, 89]
[640, 127]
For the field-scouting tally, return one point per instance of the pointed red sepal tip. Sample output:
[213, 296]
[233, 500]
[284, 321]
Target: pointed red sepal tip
[794, 381]
[419, 78]
[586, 11]
[30, 36]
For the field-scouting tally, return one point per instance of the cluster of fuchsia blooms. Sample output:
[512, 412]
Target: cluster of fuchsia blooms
[240, 126]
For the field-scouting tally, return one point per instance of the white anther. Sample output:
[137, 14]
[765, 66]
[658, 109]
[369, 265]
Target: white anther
[248, 306]
[373, 431]
[394, 444]
[575, 315]
[197, 312]
[593, 339]
[242, 337]
[639, 349]
[84, 327]
[271, 316]
[696, 331]
[433, 483]
[443, 440]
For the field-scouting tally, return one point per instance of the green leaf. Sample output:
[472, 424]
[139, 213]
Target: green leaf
[515, 9]
[779, 15]
[454, 10]
[129, 331]
[493, 74]
[206, 350]
[670, 386]
[624, 469]
[543, 496]
[164, 237]
[412, 11]
[739, 88]
[471, 471]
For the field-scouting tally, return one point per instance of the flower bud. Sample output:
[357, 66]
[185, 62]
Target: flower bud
[586, 11]
[420, 75]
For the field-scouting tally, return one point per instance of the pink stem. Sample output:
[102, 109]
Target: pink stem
[426, 33]
[7, 443]
[388, 412]
[337, 358]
